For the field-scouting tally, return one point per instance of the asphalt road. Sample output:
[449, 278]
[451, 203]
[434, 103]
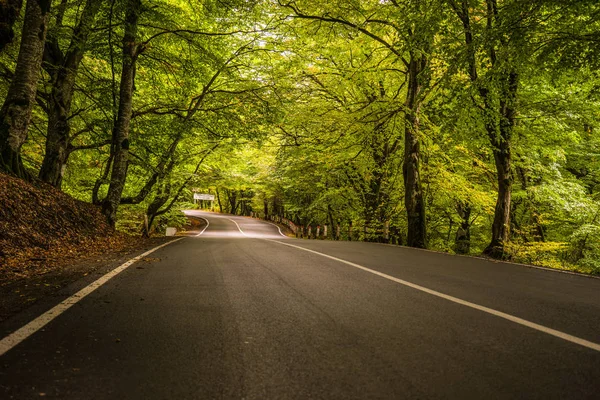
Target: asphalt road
[237, 312]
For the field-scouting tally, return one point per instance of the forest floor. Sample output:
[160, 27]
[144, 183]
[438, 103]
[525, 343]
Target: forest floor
[49, 240]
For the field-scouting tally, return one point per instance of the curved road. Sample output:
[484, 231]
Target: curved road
[239, 311]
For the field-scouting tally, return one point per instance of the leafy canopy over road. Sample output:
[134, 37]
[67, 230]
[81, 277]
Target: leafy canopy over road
[466, 126]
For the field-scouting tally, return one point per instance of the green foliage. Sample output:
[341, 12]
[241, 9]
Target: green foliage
[173, 218]
[298, 109]
[584, 248]
[543, 254]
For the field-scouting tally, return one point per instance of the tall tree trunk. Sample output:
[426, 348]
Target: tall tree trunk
[232, 199]
[219, 201]
[501, 140]
[9, 12]
[499, 133]
[501, 224]
[413, 193]
[63, 70]
[121, 130]
[266, 207]
[462, 241]
[332, 225]
[15, 113]
[375, 200]
[235, 204]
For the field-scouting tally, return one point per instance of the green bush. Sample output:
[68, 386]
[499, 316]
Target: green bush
[173, 218]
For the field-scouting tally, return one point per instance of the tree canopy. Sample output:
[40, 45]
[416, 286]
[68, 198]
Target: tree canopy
[466, 126]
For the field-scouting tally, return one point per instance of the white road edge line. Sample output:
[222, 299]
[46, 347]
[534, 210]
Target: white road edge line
[517, 320]
[207, 224]
[240, 229]
[38, 323]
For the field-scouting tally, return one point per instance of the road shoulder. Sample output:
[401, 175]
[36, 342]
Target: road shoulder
[27, 297]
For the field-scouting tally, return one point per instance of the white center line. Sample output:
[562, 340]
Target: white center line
[32, 327]
[207, 224]
[244, 233]
[517, 320]
[278, 228]
[240, 229]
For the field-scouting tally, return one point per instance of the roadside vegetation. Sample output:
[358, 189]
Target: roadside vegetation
[465, 126]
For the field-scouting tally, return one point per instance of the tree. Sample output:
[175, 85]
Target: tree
[419, 122]
[9, 12]
[15, 113]
[120, 134]
[406, 29]
[63, 68]
[501, 44]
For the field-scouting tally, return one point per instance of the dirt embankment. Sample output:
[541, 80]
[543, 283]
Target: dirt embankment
[48, 240]
[39, 223]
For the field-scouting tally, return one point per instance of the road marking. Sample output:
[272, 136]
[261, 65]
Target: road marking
[520, 321]
[32, 327]
[237, 225]
[240, 229]
[207, 224]
[243, 233]
[278, 228]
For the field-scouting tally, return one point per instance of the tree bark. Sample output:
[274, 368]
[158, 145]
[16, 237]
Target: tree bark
[499, 132]
[376, 195]
[15, 113]
[121, 130]
[266, 207]
[501, 140]
[462, 241]
[501, 224]
[63, 72]
[413, 193]
[164, 193]
[159, 200]
[219, 201]
[162, 170]
[9, 12]
[331, 222]
[164, 166]
[232, 198]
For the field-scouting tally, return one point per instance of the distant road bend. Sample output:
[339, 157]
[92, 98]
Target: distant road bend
[240, 311]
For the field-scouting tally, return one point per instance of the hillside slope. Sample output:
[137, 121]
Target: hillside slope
[39, 224]
[49, 240]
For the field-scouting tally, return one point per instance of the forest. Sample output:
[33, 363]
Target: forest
[462, 126]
